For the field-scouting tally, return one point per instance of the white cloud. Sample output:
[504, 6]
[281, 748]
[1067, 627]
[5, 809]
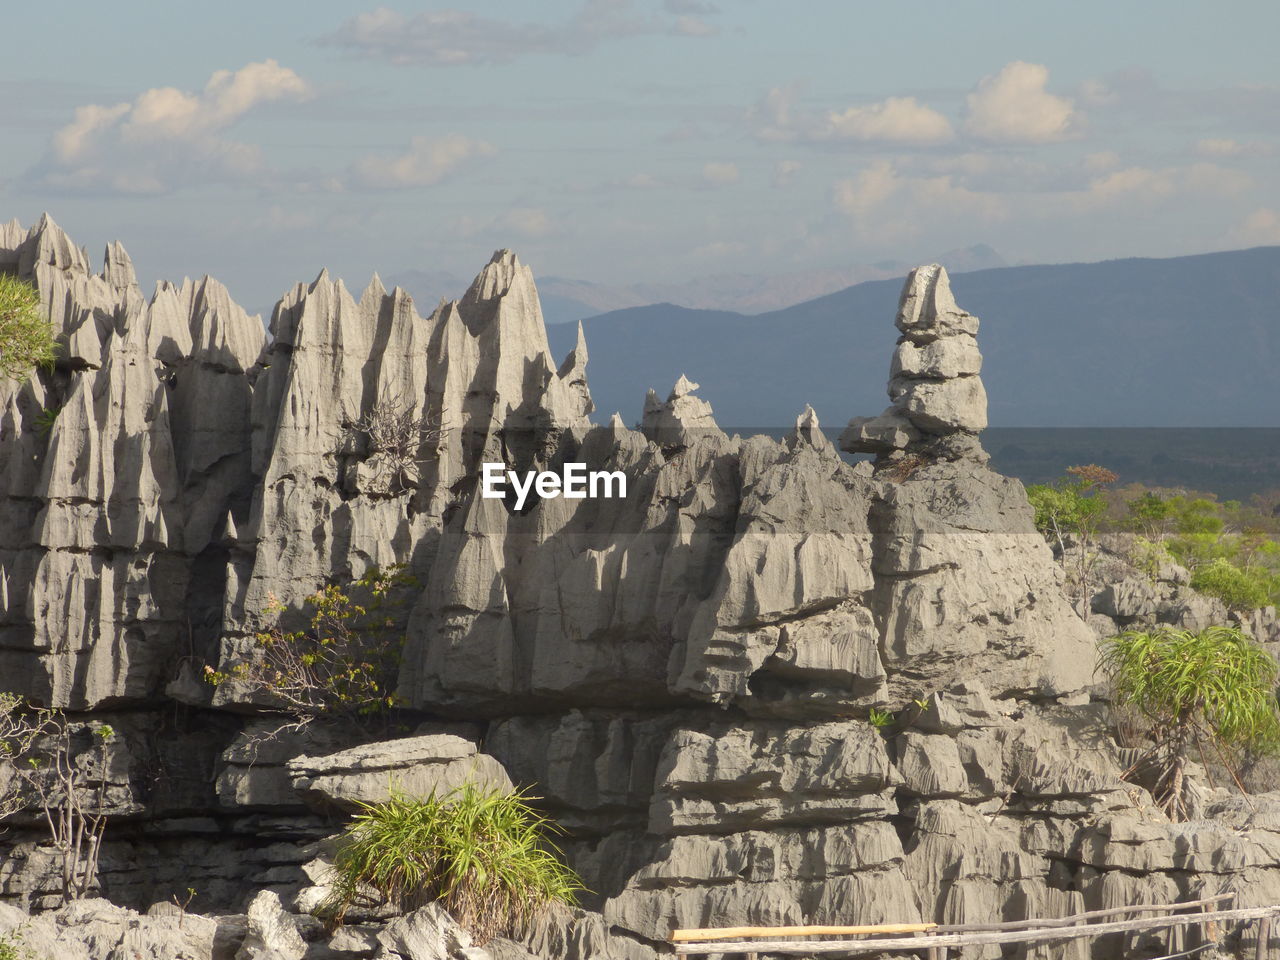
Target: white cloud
[892, 120]
[167, 137]
[881, 200]
[640, 181]
[1150, 186]
[1225, 147]
[895, 120]
[1219, 148]
[783, 171]
[719, 174]
[426, 162]
[1100, 161]
[1013, 106]
[449, 38]
[719, 249]
[689, 26]
[772, 114]
[526, 221]
[1259, 229]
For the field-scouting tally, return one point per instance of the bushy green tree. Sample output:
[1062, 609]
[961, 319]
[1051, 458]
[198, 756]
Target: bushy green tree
[1074, 505]
[1214, 687]
[1238, 588]
[482, 853]
[342, 666]
[1232, 550]
[26, 339]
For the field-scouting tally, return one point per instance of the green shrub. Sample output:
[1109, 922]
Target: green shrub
[482, 853]
[880, 718]
[26, 340]
[343, 667]
[1238, 589]
[1213, 687]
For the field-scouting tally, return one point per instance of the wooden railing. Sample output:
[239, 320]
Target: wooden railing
[936, 940]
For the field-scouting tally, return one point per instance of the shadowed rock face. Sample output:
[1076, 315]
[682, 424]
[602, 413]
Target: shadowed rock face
[683, 674]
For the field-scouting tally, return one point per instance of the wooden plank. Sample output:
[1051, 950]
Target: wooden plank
[976, 939]
[730, 933]
[1077, 917]
[1264, 937]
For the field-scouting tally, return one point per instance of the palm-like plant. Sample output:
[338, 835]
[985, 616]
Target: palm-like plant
[1216, 685]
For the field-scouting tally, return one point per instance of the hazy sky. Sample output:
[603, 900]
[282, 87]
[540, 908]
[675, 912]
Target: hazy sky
[637, 141]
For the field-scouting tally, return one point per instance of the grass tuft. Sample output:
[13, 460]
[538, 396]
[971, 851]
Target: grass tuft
[482, 853]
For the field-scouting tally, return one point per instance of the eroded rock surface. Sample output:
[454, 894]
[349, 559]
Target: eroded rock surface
[686, 676]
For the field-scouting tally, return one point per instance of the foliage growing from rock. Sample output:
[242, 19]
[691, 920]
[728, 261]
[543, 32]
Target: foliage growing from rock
[40, 767]
[482, 853]
[394, 433]
[1215, 686]
[1239, 589]
[880, 718]
[11, 948]
[1232, 551]
[26, 339]
[342, 666]
[1075, 505]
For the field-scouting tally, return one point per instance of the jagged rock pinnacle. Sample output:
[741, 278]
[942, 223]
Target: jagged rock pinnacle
[934, 380]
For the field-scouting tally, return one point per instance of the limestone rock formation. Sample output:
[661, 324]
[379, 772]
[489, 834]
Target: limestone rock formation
[934, 380]
[685, 675]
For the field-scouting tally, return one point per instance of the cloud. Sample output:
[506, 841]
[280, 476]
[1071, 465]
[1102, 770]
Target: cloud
[1100, 160]
[1136, 92]
[426, 162]
[640, 181]
[718, 174]
[772, 114]
[719, 249]
[1013, 106]
[699, 8]
[1150, 186]
[167, 137]
[687, 26]
[895, 120]
[1259, 229]
[783, 171]
[451, 38]
[527, 223]
[1225, 147]
[881, 200]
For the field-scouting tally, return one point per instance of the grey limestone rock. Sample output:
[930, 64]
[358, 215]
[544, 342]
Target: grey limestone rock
[934, 380]
[272, 932]
[415, 766]
[683, 675]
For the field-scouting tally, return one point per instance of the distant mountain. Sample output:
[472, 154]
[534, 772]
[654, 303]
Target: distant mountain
[1186, 341]
[566, 300]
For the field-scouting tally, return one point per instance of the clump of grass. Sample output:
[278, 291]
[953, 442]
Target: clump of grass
[482, 853]
[880, 718]
[27, 340]
[11, 948]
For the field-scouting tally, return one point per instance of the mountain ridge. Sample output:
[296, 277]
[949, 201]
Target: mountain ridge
[1112, 343]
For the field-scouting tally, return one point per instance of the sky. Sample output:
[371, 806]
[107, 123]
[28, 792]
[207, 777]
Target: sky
[625, 141]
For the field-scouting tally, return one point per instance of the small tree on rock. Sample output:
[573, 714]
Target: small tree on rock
[1215, 687]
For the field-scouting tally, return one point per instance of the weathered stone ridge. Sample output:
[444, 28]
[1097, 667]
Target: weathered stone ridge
[686, 676]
